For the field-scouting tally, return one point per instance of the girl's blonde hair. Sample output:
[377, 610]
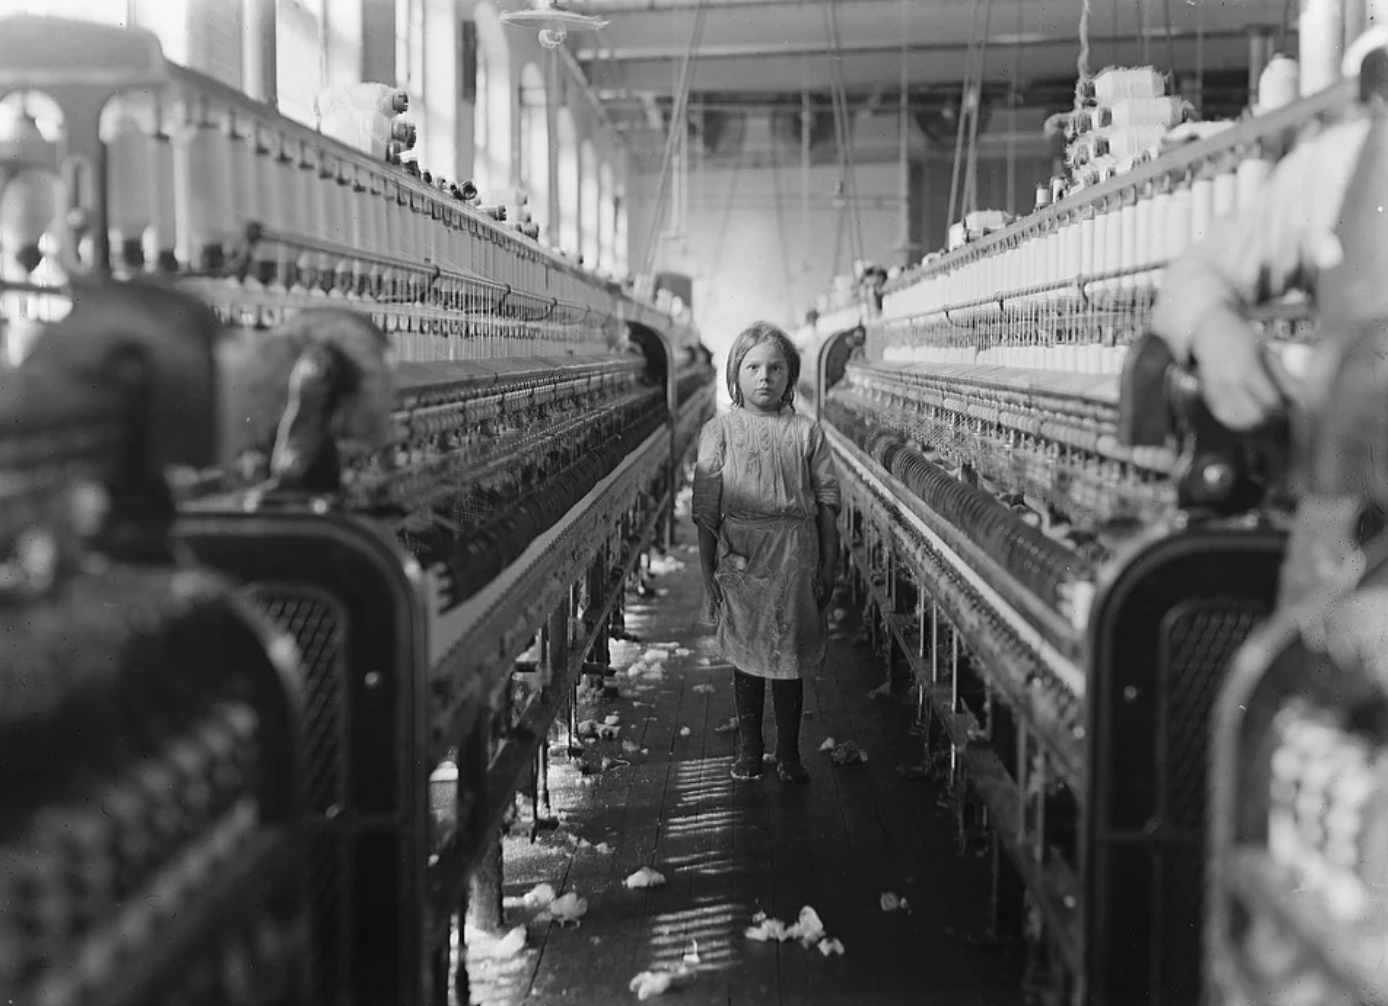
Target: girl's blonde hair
[754, 335]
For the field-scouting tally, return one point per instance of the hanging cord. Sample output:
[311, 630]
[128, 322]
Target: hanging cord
[963, 123]
[781, 230]
[1013, 101]
[1170, 39]
[963, 191]
[1086, 74]
[727, 212]
[677, 122]
[980, 65]
[840, 95]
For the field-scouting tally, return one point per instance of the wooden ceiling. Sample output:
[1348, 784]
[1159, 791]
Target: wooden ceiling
[769, 53]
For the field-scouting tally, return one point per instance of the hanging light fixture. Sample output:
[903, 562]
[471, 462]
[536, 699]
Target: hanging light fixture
[553, 20]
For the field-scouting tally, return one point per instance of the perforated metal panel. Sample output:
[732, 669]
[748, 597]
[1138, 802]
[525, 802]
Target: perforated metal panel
[1201, 639]
[318, 626]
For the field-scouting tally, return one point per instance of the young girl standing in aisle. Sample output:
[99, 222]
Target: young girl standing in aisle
[766, 502]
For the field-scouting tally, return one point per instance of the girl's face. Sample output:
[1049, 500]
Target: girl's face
[762, 377]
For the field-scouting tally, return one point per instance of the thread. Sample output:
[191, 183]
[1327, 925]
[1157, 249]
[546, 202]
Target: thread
[1085, 73]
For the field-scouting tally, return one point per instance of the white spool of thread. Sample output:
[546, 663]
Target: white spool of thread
[1118, 84]
[1142, 255]
[1225, 190]
[1322, 39]
[1128, 253]
[1178, 222]
[1201, 206]
[1254, 171]
[1087, 221]
[1161, 217]
[1071, 244]
[1279, 84]
[1164, 112]
[1113, 242]
[1101, 211]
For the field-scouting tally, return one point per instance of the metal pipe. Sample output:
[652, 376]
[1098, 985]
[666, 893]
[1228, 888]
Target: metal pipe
[579, 77]
[759, 50]
[259, 52]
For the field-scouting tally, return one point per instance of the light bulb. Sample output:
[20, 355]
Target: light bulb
[553, 38]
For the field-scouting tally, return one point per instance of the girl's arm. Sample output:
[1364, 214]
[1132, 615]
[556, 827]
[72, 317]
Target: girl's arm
[828, 521]
[707, 504]
[825, 482]
[708, 561]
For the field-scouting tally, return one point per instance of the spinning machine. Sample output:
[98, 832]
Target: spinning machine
[443, 453]
[151, 831]
[1061, 551]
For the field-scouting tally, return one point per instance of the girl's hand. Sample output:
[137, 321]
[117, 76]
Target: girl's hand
[824, 586]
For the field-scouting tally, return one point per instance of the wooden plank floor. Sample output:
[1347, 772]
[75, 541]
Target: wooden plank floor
[729, 849]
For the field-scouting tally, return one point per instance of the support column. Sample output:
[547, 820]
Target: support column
[260, 53]
[484, 908]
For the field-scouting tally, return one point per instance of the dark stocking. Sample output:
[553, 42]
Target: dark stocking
[749, 695]
[789, 699]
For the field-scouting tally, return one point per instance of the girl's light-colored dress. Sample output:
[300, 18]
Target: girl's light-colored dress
[758, 485]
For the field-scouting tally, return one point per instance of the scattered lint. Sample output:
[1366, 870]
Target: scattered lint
[705, 662]
[539, 896]
[661, 564]
[892, 902]
[766, 930]
[651, 983]
[703, 689]
[848, 753]
[566, 910]
[829, 947]
[808, 928]
[612, 720]
[645, 751]
[645, 877]
[653, 656]
[630, 746]
[603, 848]
[588, 728]
[683, 651]
[839, 614]
[685, 731]
[828, 744]
[662, 591]
[495, 948]
[609, 763]
[729, 727]
[692, 955]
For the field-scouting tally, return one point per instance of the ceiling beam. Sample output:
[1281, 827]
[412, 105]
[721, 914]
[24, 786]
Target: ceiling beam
[759, 50]
[628, 7]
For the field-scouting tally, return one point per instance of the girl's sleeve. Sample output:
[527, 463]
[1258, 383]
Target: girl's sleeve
[824, 477]
[707, 506]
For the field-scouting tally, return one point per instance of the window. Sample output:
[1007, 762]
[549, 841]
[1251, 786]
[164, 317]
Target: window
[569, 184]
[409, 66]
[491, 136]
[300, 57]
[535, 145]
[607, 220]
[590, 200]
